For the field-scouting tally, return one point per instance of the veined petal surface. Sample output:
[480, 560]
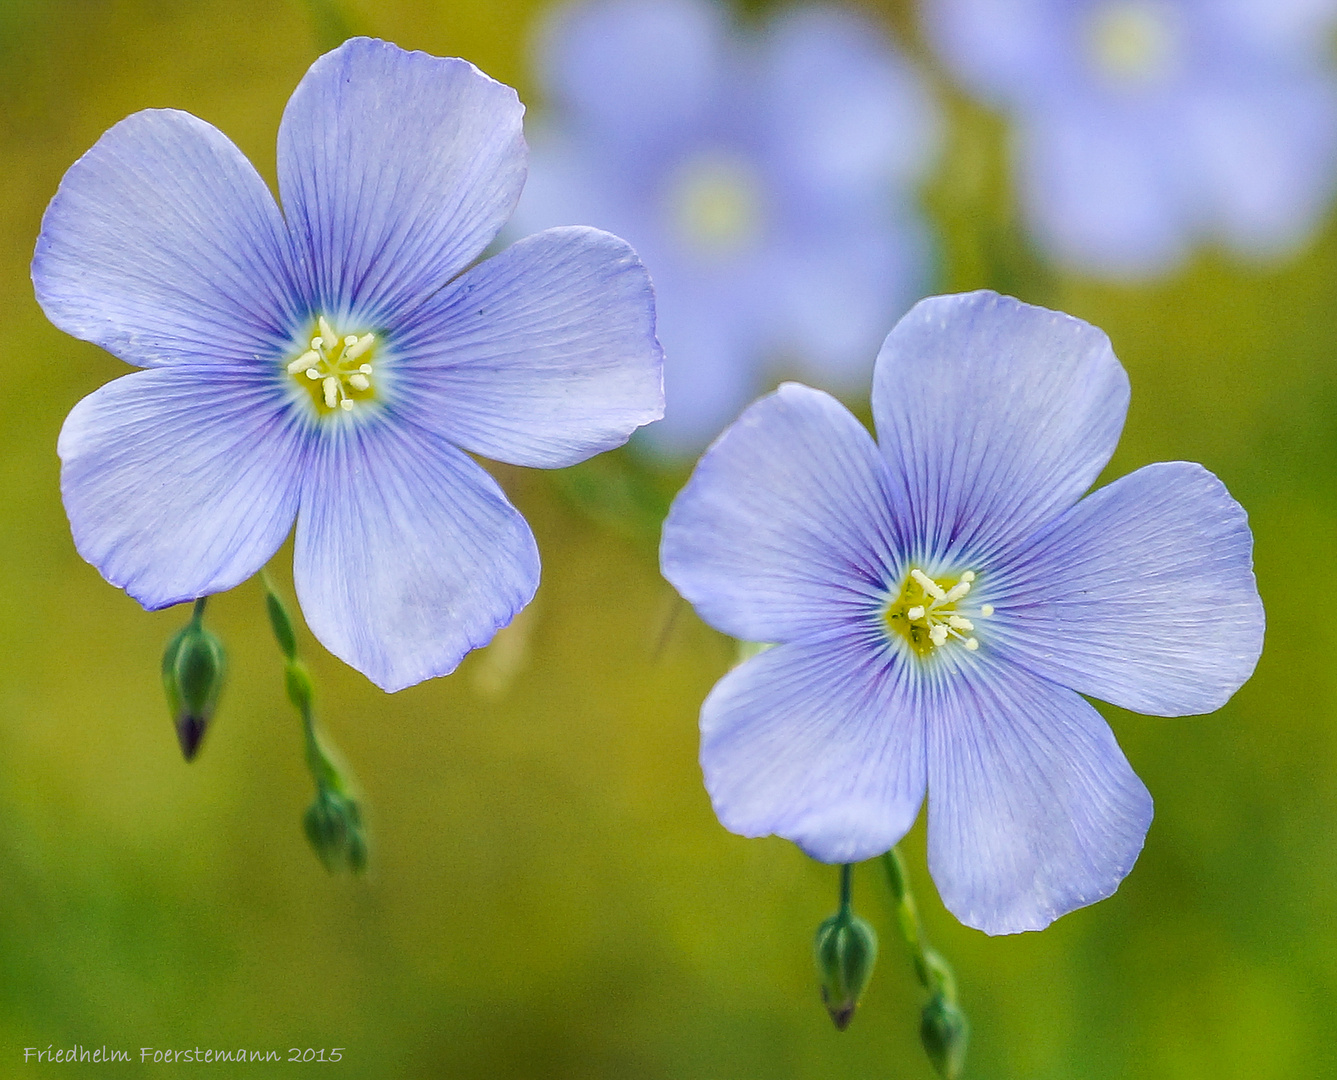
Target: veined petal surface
[1033, 809]
[396, 170]
[1142, 595]
[540, 356]
[163, 243]
[820, 741]
[180, 482]
[783, 529]
[408, 554]
[994, 417]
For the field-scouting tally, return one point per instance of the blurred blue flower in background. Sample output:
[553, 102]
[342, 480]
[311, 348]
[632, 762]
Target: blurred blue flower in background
[767, 182]
[330, 367]
[941, 600]
[1144, 127]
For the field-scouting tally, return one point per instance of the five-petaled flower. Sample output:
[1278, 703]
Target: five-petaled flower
[768, 180]
[941, 600]
[332, 363]
[1143, 127]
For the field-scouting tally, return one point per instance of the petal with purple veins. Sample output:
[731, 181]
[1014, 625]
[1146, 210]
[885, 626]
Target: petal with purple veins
[820, 742]
[180, 482]
[408, 555]
[163, 245]
[1033, 810]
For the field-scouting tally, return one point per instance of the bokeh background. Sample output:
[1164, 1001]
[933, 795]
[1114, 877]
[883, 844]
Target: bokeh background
[550, 895]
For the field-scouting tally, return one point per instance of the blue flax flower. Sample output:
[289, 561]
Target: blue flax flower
[331, 363]
[1143, 127]
[767, 181]
[942, 599]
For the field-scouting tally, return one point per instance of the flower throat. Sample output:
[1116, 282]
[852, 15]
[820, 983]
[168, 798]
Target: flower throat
[336, 371]
[928, 613]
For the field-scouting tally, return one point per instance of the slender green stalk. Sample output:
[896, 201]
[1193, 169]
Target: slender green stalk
[943, 1027]
[333, 821]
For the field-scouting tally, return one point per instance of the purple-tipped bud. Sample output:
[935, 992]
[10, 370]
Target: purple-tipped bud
[194, 666]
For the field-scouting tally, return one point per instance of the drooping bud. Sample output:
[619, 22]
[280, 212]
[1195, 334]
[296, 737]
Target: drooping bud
[845, 950]
[945, 1033]
[333, 824]
[194, 665]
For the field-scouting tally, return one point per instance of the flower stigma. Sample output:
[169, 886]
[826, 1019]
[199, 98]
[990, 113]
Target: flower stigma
[1131, 42]
[929, 613]
[715, 201]
[336, 369]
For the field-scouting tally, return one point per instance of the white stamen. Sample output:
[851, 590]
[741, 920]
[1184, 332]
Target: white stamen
[347, 404]
[351, 339]
[359, 381]
[325, 331]
[352, 352]
[365, 369]
[972, 644]
[969, 575]
[306, 360]
[915, 613]
[957, 591]
[958, 623]
[937, 634]
[331, 388]
[317, 342]
[312, 373]
[928, 584]
[986, 610]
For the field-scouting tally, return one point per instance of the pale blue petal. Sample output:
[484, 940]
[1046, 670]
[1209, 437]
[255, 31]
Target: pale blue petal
[634, 71]
[783, 529]
[396, 170]
[179, 482]
[994, 416]
[820, 742]
[408, 554]
[541, 356]
[837, 289]
[1109, 194]
[163, 243]
[842, 111]
[709, 375]
[999, 48]
[1267, 161]
[1033, 810]
[1143, 595]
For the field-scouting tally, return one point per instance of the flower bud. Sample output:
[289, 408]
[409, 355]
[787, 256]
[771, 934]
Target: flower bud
[945, 1033]
[333, 824]
[845, 950]
[194, 666]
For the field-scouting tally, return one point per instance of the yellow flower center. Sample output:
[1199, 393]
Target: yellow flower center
[929, 613]
[1131, 42]
[715, 202]
[337, 369]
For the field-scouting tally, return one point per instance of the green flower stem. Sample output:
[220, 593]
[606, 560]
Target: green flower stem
[333, 821]
[943, 1028]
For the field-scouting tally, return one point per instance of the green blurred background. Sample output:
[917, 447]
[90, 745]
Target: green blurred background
[550, 895]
